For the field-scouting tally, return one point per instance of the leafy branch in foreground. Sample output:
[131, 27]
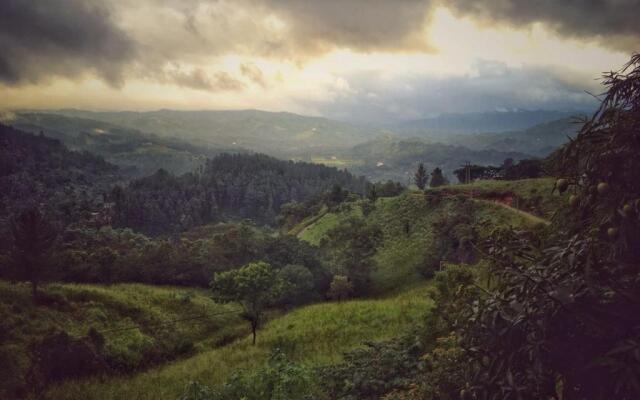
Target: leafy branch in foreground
[563, 317]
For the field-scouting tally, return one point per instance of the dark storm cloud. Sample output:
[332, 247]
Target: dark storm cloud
[60, 37]
[120, 39]
[615, 23]
[493, 86]
[358, 24]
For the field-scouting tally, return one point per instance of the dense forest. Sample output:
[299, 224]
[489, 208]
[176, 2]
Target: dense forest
[40, 171]
[228, 186]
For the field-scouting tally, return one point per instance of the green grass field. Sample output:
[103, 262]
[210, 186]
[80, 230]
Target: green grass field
[314, 228]
[134, 320]
[315, 335]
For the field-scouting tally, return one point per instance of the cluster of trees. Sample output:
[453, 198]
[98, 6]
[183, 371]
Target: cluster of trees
[509, 170]
[121, 255]
[228, 186]
[351, 246]
[453, 238]
[388, 188]
[421, 179]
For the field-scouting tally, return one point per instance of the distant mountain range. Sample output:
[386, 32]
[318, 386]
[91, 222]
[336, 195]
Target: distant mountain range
[138, 152]
[180, 141]
[277, 133]
[496, 121]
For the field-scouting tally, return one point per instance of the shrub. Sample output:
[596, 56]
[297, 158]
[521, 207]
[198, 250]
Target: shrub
[279, 379]
[375, 370]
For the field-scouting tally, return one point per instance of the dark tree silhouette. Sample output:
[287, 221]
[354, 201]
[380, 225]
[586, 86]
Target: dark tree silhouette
[564, 320]
[33, 236]
[421, 178]
[437, 179]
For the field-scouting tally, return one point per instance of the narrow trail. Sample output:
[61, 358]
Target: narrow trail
[531, 217]
[308, 224]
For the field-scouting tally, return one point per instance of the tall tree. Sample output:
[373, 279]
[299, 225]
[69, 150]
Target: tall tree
[372, 193]
[253, 286]
[352, 245]
[421, 177]
[33, 237]
[437, 179]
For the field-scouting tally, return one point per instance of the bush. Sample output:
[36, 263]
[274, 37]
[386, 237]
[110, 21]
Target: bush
[280, 379]
[59, 357]
[375, 370]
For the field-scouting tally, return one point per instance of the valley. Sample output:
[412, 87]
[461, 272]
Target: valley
[319, 200]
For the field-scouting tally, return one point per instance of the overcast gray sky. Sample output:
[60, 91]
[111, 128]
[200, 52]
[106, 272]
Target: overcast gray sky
[350, 59]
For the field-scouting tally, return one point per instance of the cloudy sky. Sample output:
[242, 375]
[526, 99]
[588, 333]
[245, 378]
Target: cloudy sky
[360, 60]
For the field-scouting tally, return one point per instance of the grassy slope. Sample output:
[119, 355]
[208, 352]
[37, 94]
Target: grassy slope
[76, 308]
[400, 253]
[530, 190]
[315, 228]
[319, 334]
[316, 334]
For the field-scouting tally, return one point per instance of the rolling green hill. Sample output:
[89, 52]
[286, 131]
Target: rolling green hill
[401, 252]
[135, 321]
[318, 334]
[314, 335]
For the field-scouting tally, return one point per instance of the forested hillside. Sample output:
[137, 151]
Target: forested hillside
[228, 186]
[139, 152]
[36, 170]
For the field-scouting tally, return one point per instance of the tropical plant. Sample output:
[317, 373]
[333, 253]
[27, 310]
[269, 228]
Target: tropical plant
[563, 319]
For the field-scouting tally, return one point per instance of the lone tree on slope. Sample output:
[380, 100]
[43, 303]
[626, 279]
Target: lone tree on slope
[253, 286]
[33, 237]
[437, 179]
[421, 177]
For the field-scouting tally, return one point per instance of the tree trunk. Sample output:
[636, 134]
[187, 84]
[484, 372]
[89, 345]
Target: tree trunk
[254, 326]
[34, 289]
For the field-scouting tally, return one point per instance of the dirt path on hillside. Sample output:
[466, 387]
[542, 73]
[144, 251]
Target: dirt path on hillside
[531, 217]
[502, 202]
